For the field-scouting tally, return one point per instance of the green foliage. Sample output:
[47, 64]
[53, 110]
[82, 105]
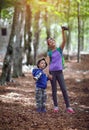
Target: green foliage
[58, 12]
[7, 13]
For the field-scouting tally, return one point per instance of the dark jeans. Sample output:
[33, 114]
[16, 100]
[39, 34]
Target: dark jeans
[58, 76]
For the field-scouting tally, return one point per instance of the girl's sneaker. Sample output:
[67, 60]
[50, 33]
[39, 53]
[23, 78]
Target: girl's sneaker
[70, 110]
[56, 109]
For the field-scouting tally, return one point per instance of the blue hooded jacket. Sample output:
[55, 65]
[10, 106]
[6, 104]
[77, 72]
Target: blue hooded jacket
[41, 77]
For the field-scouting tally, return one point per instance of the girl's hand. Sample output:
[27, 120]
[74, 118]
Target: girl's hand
[50, 76]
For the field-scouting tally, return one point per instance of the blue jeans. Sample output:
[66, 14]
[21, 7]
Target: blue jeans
[58, 76]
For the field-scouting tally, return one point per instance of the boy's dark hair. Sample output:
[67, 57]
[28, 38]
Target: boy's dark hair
[38, 62]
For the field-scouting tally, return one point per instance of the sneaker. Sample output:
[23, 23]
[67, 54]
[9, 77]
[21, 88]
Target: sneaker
[56, 109]
[70, 110]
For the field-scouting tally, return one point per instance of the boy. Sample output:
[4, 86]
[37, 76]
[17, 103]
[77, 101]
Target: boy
[41, 84]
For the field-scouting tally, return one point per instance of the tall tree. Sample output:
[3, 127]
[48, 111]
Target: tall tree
[28, 33]
[78, 31]
[8, 60]
[36, 34]
[6, 69]
[17, 50]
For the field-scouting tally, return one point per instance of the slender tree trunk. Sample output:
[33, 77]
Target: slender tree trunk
[78, 57]
[82, 35]
[28, 34]
[69, 31]
[36, 34]
[82, 28]
[68, 42]
[47, 25]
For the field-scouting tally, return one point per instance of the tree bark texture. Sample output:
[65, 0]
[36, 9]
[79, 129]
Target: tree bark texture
[36, 34]
[6, 69]
[28, 33]
[17, 50]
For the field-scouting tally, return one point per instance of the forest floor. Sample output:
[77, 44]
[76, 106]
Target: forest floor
[18, 110]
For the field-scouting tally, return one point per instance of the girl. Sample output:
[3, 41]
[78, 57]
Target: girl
[56, 70]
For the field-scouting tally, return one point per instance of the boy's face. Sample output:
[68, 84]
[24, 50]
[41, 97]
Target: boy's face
[42, 64]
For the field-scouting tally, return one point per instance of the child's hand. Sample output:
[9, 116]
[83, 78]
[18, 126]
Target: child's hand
[50, 76]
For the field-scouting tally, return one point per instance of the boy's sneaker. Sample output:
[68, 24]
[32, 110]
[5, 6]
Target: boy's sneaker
[56, 109]
[70, 110]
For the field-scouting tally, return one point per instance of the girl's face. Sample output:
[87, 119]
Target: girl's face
[42, 64]
[51, 42]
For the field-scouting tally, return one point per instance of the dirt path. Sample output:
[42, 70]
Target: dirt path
[17, 103]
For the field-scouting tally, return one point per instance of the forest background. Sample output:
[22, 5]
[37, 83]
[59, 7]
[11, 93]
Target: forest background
[32, 22]
[25, 26]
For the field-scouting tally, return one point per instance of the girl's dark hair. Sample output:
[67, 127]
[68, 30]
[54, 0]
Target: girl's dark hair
[38, 62]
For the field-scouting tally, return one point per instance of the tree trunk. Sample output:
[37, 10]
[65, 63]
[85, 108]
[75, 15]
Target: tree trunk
[36, 34]
[68, 47]
[68, 43]
[28, 34]
[78, 56]
[7, 64]
[47, 24]
[17, 50]
[82, 35]
[6, 69]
